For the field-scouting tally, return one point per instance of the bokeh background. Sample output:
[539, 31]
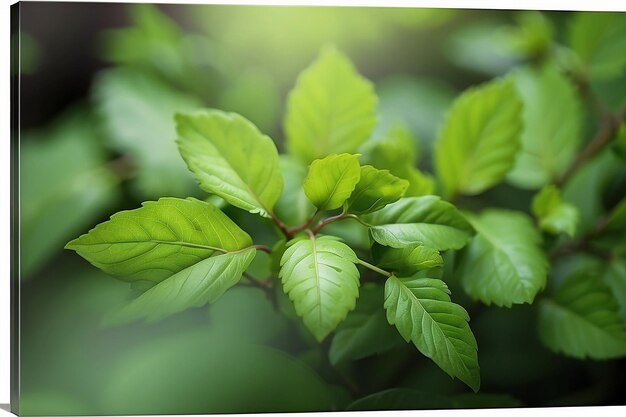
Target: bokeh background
[99, 86]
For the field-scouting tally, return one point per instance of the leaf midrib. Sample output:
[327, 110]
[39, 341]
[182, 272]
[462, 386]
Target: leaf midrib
[163, 242]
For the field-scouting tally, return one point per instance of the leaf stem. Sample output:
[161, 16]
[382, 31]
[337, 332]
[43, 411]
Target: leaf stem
[295, 229]
[279, 223]
[336, 218]
[374, 268]
[263, 248]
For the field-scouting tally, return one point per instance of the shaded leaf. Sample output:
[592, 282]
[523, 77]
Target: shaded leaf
[231, 158]
[321, 279]
[424, 220]
[615, 278]
[504, 263]
[293, 207]
[330, 181]
[375, 189]
[330, 110]
[159, 239]
[555, 216]
[406, 260]
[479, 139]
[423, 313]
[582, 320]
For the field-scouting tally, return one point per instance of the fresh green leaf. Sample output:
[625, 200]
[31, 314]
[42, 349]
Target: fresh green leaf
[479, 140]
[293, 207]
[138, 115]
[321, 279]
[159, 239]
[199, 284]
[423, 313]
[231, 158]
[599, 39]
[375, 189]
[504, 263]
[424, 220]
[331, 109]
[331, 180]
[365, 331]
[555, 216]
[406, 260]
[62, 170]
[552, 118]
[582, 320]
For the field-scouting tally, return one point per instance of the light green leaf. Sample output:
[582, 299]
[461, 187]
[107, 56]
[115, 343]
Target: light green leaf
[365, 331]
[504, 263]
[62, 170]
[159, 239]
[293, 207]
[552, 118]
[138, 114]
[231, 158]
[599, 39]
[375, 189]
[331, 109]
[424, 220]
[194, 286]
[331, 180]
[479, 139]
[406, 260]
[423, 313]
[321, 279]
[555, 216]
[582, 320]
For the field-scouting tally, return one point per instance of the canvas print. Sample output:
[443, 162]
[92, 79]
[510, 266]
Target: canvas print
[246, 209]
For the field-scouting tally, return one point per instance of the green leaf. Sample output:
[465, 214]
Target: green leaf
[582, 320]
[599, 39]
[62, 170]
[365, 331]
[159, 239]
[615, 278]
[406, 260]
[331, 180]
[423, 313]
[504, 263]
[552, 118]
[424, 220]
[331, 109]
[138, 114]
[479, 139]
[555, 216]
[194, 286]
[320, 277]
[375, 189]
[231, 158]
[293, 207]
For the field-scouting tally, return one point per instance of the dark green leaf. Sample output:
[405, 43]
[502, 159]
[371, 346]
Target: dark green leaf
[504, 263]
[331, 109]
[615, 278]
[424, 220]
[330, 181]
[375, 189]
[231, 158]
[423, 313]
[321, 279]
[480, 138]
[159, 239]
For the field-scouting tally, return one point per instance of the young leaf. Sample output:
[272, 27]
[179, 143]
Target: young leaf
[194, 286]
[479, 139]
[599, 40]
[293, 207]
[406, 260]
[424, 220]
[331, 109]
[375, 189]
[555, 216]
[331, 180]
[504, 263]
[320, 277]
[582, 320]
[159, 239]
[365, 330]
[423, 313]
[552, 118]
[231, 158]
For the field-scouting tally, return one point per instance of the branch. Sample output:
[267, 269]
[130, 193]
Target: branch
[283, 228]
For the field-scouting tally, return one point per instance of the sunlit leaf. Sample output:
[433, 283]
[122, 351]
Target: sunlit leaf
[375, 189]
[330, 181]
[555, 215]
